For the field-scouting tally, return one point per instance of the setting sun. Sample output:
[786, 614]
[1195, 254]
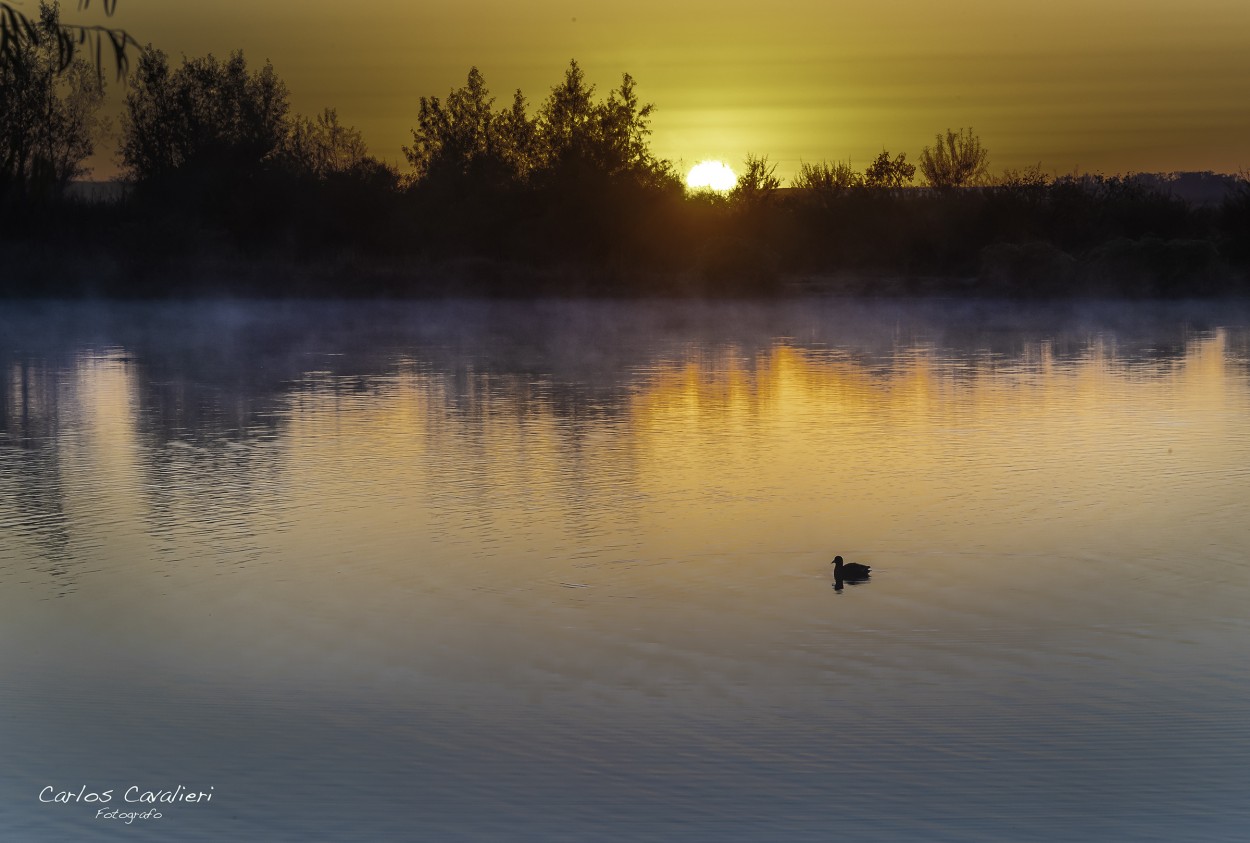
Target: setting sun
[711, 175]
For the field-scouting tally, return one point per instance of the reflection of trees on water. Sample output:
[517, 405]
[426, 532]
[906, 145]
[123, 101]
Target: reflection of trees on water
[229, 375]
[32, 502]
[216, 389]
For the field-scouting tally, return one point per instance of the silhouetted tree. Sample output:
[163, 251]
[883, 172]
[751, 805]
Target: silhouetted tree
[957, 160]
[19, 35]
[625, 127]
[322, 146]
[758, 183]
[888, 173]
[565, 120]
[204, 144]
[517, 136]
[826, 178]
[824, 184]
[1234, 223]
[49, 114]
[463, 138]
[206, 122]
[577, 137]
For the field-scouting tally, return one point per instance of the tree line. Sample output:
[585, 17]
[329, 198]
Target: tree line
[566, 195]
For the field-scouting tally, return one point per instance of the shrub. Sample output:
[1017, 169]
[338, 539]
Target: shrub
[957, 160]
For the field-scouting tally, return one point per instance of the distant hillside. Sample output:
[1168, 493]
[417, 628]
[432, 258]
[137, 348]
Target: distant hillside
[1205, 188]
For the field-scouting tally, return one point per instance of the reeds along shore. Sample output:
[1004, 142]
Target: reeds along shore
[228, 192]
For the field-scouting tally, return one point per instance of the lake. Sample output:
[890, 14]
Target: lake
[560, 571]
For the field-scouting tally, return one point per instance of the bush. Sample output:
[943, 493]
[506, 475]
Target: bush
[957, 160]
[1026, 269]
[1155, 268]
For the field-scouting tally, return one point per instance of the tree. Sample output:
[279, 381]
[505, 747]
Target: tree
[889, 174]
[323, 147]
[456, 138]
[517, 137]
[48, 115]
[757, 184]
[463, 140]
[957, 160]
[566, 119]
[624, 129]
[19, 35]
[578, 138]
[822, 183]
[209, 121]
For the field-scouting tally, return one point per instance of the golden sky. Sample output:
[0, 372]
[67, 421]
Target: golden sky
[1091, 85]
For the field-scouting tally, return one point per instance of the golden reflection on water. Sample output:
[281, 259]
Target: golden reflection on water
[716, 448]
[636, 547]
[459, 525]
[986, 451]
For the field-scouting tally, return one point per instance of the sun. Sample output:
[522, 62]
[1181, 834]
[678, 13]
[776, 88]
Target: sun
[711, 175]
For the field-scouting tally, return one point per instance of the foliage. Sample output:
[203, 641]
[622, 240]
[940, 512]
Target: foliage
[517, 137]
[957, 160]
[322, 147]
[758, 183]
[1155, 267]
[1030, 178]
[463, 138]
[576, 135]
[572, 180]
[565, 197]
[209, 120]
[889, 173]
[1035, 268]
[1234, 221]
[566, 121]
[19, 36]
[827, 179]
[49, 115]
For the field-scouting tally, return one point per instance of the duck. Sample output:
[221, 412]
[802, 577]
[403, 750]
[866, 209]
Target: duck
[849, 570]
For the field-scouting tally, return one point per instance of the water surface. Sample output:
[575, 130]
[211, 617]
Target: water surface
[560, 571]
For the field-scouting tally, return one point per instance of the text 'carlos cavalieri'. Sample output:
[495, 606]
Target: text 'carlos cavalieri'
[133, 794]
[136, 803]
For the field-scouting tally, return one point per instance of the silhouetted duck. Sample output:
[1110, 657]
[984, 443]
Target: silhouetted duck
[850, 570]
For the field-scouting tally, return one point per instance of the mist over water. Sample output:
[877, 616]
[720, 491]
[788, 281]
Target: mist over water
[561, 571]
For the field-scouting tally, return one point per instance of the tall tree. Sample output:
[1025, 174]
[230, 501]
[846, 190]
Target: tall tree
[566, 120]
[578, 137]
[462, 137]
[49, 115]
[208, 120]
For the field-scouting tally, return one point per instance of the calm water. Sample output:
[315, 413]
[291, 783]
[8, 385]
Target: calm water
[550, 572]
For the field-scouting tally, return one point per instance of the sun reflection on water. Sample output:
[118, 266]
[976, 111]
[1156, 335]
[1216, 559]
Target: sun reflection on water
[563, 533]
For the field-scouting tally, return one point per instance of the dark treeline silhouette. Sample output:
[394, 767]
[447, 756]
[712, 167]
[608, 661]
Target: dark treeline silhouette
[229, 191]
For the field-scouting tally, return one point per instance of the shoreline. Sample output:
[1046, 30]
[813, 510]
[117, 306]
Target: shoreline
[107, 276]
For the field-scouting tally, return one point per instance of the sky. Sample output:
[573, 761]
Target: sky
[1107, 86]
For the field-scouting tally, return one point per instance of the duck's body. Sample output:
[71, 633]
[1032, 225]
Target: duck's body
[849, 570]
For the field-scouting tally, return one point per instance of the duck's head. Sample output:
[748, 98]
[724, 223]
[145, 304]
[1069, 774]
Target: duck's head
[837, 560]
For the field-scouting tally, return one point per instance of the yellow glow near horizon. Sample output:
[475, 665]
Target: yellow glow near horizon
[711, 175]
[1142, 86]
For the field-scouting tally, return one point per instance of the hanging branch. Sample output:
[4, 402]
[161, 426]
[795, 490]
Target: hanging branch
[19, 33]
